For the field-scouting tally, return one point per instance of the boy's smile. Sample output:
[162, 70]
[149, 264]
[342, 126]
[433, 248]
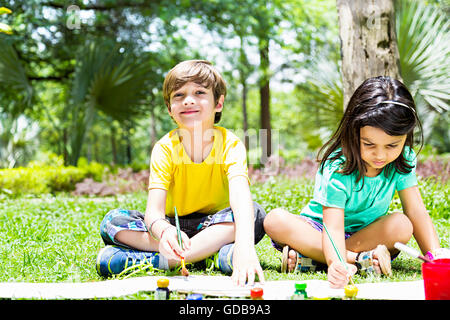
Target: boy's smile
[378, 149]
[192, 105]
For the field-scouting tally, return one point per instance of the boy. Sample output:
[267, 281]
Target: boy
[200, 169]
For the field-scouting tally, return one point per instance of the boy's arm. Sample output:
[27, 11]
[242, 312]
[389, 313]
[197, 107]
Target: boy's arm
[155, 210]
[415, 209]
[245, 260]
[161, 229]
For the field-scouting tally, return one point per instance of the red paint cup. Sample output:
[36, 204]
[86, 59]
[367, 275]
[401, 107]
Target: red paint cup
[436, 279]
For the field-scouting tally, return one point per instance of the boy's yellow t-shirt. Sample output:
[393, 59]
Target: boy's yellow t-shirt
[197, 187]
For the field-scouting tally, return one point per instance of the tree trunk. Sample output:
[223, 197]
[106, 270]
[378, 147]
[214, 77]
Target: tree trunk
[65, 145]
[113, 144]
[153, 133]
[368, 42]
[127, 138]
[264, 92]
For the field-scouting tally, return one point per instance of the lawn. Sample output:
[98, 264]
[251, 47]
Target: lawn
[56, 238]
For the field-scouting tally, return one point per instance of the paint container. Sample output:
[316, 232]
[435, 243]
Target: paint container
[436, 279]
[256, 294]
[350, 291]
[162, 292]
[300, 292]
[194, 296]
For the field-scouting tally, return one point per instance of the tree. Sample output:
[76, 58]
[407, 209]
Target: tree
[368, 42]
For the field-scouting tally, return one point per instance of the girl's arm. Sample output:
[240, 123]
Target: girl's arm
[423, 228]
[338, 276]
[245, 260]
[333, 218]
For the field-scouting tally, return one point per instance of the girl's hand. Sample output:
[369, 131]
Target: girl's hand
[168, 244]
[338, 276]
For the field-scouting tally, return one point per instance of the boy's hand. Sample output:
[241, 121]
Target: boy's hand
[168, 244]
[338, 276]
[246, 266]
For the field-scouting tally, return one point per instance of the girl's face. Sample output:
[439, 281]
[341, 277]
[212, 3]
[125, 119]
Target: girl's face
[378, 149]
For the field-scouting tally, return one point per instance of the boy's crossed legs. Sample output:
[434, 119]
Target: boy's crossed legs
[208, 235]
[295, 230]
[203, 244]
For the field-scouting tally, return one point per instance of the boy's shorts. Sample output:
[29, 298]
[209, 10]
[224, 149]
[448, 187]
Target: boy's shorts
[122, 219]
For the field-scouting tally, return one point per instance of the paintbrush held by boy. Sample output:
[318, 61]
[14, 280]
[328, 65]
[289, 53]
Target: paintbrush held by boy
[201, 169]
[184, 271]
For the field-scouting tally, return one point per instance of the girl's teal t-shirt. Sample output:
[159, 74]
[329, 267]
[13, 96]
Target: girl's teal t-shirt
[363, 205]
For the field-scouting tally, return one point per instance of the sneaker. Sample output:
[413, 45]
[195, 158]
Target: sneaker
[222, 260]
[114, 259]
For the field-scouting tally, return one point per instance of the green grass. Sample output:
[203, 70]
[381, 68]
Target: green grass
[56, 238]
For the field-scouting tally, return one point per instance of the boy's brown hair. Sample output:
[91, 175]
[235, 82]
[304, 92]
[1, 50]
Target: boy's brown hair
[201, 72]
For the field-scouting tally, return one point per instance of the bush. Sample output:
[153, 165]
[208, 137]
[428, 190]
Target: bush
[37, 180]
[23, 180]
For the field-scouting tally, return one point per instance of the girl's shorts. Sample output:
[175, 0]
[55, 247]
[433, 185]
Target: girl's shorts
[122, 219]
[319, 227]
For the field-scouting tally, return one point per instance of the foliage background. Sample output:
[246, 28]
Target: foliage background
[84, 79]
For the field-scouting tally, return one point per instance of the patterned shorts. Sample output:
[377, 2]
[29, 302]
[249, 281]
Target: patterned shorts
[122, 219]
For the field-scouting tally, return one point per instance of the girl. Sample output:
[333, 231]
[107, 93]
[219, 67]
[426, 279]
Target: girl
[366, 161]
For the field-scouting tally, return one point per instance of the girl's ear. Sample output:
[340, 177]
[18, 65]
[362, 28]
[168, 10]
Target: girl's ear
[219, 105]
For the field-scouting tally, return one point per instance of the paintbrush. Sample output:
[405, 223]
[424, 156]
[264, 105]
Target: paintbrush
[411, 252]
[184, 271]
[337, 252]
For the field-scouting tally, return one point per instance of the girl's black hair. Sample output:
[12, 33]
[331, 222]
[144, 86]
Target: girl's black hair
[368, 107]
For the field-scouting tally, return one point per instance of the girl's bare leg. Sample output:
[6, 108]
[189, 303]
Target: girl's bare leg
[286, 228]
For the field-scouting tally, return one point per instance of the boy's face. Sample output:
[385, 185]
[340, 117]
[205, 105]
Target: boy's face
[193, 105]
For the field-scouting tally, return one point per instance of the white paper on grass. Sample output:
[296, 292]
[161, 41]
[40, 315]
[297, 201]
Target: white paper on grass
[207, 285]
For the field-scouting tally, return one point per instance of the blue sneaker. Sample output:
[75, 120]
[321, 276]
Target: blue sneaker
[222, 260]
[114, 259]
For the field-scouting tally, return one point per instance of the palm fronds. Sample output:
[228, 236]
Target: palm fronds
[110, 81]
[12, 73]
[424, 47]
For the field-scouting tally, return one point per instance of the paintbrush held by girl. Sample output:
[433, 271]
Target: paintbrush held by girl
[201, 169]
[367, 160]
